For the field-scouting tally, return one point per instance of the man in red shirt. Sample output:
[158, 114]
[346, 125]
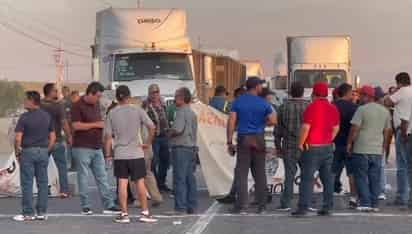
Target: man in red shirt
[320, 126]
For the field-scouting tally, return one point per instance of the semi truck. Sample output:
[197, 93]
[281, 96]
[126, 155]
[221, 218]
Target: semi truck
[139, 47]
[312, 59]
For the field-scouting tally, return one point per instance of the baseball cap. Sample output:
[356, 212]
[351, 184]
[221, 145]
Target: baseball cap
[320, 89]
[367, 90]
[379, 92]
[253, 81]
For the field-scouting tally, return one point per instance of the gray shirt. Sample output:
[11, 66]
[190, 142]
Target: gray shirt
[124, 123]
[372, 119]
[185, 123]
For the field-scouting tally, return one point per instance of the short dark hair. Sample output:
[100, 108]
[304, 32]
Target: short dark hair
[403, 78]
[187, 95]
[219, 90]
[122, 93]
[74, 93]
[33, 96]
[239, 92]
[296, 89]
[344, 89]
[48, 88]
[94, 88]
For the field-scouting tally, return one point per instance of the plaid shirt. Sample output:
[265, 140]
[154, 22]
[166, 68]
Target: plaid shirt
[290, 119]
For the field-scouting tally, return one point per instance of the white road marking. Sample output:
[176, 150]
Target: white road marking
[200, 225]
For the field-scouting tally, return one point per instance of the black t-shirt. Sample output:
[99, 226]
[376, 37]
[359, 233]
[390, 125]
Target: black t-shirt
[36, 126]
[346, 110]
[57, 113]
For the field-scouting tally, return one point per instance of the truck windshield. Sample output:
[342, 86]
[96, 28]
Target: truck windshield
[308, 78]
[145, 66]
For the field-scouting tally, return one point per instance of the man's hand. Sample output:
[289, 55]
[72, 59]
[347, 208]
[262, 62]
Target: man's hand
[69, 140]
[145, 146]
[99, 124]
[231, 149]
[349, 149]
[108, 160]
[301, 147]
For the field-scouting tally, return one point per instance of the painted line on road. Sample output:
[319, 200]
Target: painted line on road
[206, 218]
[200, 225]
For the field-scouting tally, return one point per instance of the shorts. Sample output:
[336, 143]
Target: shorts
[130, 168]
[341, 160]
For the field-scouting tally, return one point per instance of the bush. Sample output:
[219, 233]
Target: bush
[11, 97]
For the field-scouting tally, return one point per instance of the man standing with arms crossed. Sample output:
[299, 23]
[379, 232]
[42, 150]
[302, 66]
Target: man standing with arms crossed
[319, 129]
[124, 123]
[87, 149]
[250, 114]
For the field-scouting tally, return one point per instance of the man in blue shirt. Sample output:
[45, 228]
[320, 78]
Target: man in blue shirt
[250, 114]
[219, 101]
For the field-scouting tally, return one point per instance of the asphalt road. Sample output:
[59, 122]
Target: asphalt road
[212, 218]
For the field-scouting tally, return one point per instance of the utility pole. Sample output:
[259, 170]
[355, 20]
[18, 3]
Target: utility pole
[58, 58]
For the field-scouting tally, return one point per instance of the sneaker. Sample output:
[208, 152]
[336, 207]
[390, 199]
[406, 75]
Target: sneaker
[24, 218]
[299, 213]
[311, 209]
[41, 217]
[382, 197]
[397, 202]
[122, 218]
[261, 210]
[364, 209]
[375, 210]
[147, 218]
[283, 209]
[112, 210]
[226, 200]
[165, 189]
[191, 211]
[87, 211]
[324, 212]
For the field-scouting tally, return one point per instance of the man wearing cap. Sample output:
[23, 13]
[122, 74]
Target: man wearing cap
[250, 114]
[320, 126]
[401, 100]
[371, 126]
[156, 109]
[219, 101]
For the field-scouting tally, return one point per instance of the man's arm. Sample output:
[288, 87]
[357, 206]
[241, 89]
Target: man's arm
[52, 141]
[304, 133]
[353, 134]
[231, 126]
[387, 136]
[151, 133]
[108, 141]
[67, 132]
[271, 120]
[81, 126]
[388, 102]
[335, 132]
[17, 144]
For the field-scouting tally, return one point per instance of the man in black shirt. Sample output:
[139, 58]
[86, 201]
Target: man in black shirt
[346, 110]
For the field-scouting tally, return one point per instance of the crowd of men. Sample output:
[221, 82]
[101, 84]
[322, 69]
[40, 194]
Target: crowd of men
[353, 131]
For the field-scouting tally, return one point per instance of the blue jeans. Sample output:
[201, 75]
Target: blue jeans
[402, 169]
[367, 178]
[340, 161]
[34, 163]
[161, 160]
[59, 155]
[383, 176]
[291, 167]
[93, 159]
[409, 158]
[316, 159]
[184, 181]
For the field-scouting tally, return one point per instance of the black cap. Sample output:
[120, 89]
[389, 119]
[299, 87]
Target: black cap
[253, 81]
[220, 89]
[379, 92]
[122, 92]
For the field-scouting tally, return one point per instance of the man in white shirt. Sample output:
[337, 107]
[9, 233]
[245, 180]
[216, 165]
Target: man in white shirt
[401, 100]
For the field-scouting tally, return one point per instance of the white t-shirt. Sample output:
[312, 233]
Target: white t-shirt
[403, 105]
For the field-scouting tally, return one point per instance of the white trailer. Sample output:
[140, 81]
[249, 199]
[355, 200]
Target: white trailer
[140, 47]
[313, 59]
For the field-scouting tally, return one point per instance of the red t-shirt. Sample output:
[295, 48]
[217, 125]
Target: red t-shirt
[322, 116]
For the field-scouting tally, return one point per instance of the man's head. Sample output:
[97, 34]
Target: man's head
[320, 90]
[367, 94]
[254, 85]
[345, 91]
[267, 94]
[297, 90]
[379, 94]
[403, 79]
[74, 96]
[66, 92]
[183, 97]
[32, 100]
[239, 92]
[154, 92]
[122, 93]
[220, 91]
[50, 91]
[355, 96]
[94, 92]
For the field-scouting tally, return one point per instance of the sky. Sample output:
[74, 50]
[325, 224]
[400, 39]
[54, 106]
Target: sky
[380, 31]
